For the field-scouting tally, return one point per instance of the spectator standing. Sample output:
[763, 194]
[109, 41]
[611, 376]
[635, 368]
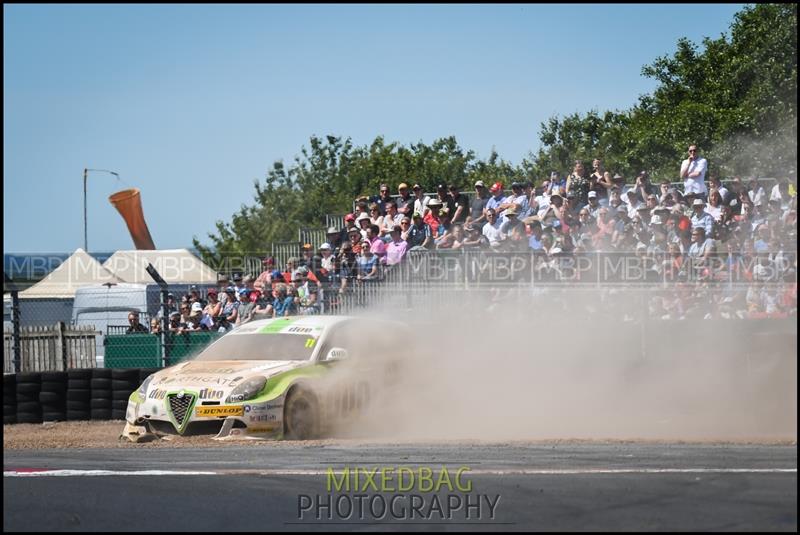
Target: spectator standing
[693, 173]
[214, 307]
[477, 217]
[432, 219]
[245, 307]
[461, 203]
[497, 198]
[405, 202]
[447, 199]
[578, 183]
[420, 200]
[264, 280]
[134, 326]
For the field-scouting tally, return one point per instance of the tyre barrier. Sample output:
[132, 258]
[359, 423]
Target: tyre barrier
[28, 387]
[100, 399]
[123, 383]
[53, 396]
[9, 398]
[80, 394]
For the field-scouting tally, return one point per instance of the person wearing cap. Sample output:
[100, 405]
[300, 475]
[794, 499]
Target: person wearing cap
[420, 201]
[245, 307]
[326, 252]
[175, 325]
[308, 298]
[701, 218]
[693, 172]
[405, 201]
[196, 319]
[419, 233]
[447, 200]
[477, 216]
[594, 204]
[354, 237]
[362, 222]
[496, 200]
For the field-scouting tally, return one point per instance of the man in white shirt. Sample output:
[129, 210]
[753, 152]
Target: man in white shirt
[491, 230]
[693, 172]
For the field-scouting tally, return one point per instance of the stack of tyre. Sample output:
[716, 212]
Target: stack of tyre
[28, 387]
[79, 394]
[100, 400]
[123, 383]
[53, 396]
[9, 398]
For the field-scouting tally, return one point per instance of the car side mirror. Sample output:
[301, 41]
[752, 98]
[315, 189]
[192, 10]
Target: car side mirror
[336, 354]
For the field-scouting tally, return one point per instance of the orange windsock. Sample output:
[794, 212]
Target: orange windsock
[129, 203]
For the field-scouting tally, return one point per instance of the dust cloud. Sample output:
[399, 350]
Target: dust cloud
[560, 365]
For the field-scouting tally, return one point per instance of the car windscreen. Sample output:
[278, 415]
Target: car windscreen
[259, 346]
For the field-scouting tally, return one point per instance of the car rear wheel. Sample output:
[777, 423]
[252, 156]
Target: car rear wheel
[300, 415]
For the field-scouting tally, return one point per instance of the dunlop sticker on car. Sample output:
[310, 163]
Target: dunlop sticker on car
[219, 410]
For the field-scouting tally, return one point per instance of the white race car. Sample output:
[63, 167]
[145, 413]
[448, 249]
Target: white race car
[293, 377]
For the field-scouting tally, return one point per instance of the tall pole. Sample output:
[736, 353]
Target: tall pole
[85, 232]
[85, 225]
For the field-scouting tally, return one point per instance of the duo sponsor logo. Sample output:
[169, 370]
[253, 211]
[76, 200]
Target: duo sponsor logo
[219, 410]
[157, 393]
[210, 393]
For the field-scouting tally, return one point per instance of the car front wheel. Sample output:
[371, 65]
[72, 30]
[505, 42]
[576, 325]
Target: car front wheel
[300, 415]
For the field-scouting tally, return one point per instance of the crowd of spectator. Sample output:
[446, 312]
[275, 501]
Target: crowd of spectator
[677, 231]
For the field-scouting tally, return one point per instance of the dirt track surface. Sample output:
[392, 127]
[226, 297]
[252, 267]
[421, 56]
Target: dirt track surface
[68, 435]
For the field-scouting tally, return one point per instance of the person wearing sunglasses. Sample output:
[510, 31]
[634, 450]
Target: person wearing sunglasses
[693, 173]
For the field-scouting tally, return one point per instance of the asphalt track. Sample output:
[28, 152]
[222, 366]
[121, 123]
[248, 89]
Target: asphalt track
[564, 486]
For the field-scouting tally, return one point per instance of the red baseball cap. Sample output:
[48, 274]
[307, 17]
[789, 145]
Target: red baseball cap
[349, 217]
[497, 186]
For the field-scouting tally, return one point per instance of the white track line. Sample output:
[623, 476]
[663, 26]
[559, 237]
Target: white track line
[588, 471]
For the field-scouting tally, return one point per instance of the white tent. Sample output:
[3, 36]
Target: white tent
[77, 271]
[175, 266]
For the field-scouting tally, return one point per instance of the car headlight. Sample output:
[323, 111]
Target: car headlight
[142, 392]
[247, 389]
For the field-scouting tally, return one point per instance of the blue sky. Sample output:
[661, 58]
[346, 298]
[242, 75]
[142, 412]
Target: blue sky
[192, 103]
